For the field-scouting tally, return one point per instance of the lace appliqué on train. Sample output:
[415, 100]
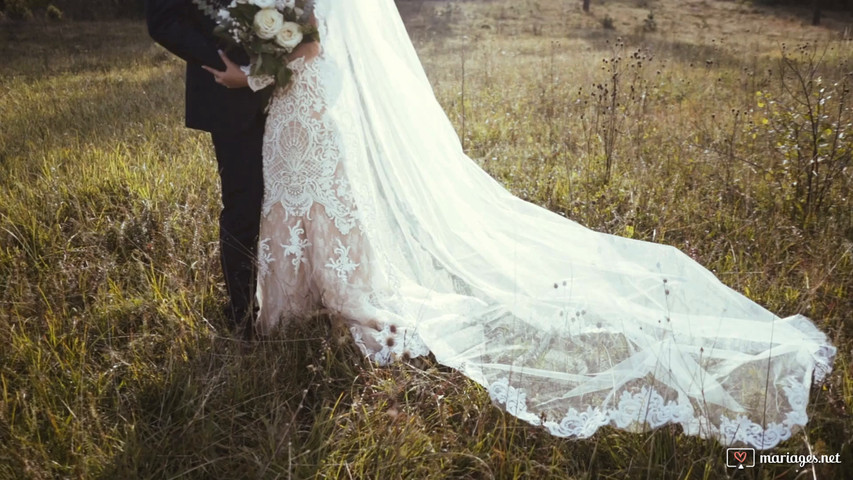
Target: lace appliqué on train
[642, 408]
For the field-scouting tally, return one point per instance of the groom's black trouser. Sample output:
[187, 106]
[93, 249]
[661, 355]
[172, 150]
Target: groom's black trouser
[239, 155]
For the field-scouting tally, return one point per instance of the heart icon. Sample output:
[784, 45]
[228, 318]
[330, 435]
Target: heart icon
[740, 456]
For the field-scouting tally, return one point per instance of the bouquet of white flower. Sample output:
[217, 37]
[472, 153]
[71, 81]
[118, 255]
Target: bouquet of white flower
[268, 30]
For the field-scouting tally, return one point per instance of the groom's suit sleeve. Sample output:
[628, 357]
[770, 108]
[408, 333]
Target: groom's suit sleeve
[169, 24]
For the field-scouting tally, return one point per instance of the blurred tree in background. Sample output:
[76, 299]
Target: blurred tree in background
[100, 9]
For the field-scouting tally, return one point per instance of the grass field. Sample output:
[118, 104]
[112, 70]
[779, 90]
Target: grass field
[721, 128]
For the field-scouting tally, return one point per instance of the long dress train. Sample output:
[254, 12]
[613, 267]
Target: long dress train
[373, 211]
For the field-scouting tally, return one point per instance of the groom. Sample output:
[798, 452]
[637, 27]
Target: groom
[235, 119]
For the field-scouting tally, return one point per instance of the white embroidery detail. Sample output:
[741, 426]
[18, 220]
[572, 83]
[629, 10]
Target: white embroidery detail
[342, 265]
[302, 152]
[297, 245]
[646, 408]
[264, 258]
[257, 82]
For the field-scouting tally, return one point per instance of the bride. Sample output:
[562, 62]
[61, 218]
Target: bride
[374, 212]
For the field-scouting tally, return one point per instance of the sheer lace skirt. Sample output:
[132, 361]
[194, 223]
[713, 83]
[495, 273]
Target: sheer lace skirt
[312, 252]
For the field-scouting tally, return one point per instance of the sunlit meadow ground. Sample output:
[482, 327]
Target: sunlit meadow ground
[682, 129]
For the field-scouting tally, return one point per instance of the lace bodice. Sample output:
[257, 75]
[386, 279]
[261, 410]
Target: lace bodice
[304, 152]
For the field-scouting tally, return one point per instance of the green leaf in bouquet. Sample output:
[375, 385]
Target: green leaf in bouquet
[244, 13]
[260, 46]
[254, 44]
[254, 69]
[266, 64]
[259, 66]
[269, 47]
[283, 76]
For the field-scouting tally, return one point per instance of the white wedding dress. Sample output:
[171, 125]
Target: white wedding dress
[374, 212]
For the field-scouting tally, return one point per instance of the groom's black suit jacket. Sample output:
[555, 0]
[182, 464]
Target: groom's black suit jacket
[181, 27]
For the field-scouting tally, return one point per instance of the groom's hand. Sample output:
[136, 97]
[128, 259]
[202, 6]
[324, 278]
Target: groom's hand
[231, 77]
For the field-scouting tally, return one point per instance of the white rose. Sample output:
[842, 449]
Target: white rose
[289, 36]
[268, 22]
[263, 3]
